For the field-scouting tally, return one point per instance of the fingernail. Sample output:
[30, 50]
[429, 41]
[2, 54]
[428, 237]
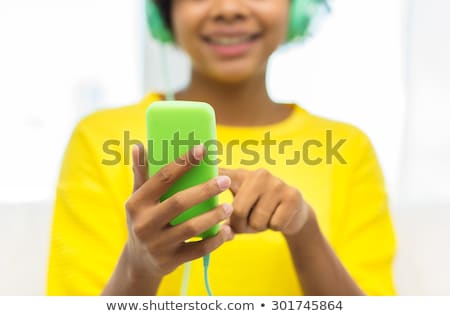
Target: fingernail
[228, 209]
[198, 151]
[223, 182]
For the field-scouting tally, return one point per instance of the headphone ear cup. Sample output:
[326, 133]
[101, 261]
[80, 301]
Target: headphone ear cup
[303, 14]
[156, 23]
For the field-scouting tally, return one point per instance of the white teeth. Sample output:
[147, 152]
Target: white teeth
[229, 40]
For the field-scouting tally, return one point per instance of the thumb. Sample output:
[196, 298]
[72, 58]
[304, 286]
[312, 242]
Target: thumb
[140, 166]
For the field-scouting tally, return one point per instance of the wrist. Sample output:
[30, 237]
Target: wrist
[307, 246]
[308, 235]
[136, 269]
[129, 278]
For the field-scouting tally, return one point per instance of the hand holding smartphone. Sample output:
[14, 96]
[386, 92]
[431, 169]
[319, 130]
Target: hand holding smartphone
[173, 128]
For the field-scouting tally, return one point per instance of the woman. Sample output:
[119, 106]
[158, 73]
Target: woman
[310, 216]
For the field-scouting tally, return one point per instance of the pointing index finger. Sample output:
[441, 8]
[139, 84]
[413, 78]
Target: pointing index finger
[237, 178]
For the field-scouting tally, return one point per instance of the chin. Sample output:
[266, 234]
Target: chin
[234, 74]
[232, 77]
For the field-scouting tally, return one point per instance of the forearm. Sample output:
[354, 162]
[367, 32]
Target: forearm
[319, 270]
[127, 280]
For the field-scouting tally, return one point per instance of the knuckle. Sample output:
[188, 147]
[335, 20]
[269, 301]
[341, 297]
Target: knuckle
[139, 230]
[165, 176]
[241, 174]
[278, 184]
[278, 223]
[130, 205]
[213, 243]
[183, 161]
[239, 213]
[276, 226]
[257, 224]
[189, 229]
[204, 248]
[262, 173]
[292, 195]
[175, 203]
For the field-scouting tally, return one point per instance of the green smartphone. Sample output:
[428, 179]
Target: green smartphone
[173, 128]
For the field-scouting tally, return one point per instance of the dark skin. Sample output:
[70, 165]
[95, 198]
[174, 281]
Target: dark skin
[236, 87]
[154, 247]
[246, 104]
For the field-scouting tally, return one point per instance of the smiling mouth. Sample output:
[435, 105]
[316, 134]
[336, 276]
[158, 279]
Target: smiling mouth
[230, 40]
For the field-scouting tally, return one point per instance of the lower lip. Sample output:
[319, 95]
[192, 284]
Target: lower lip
[235, 50]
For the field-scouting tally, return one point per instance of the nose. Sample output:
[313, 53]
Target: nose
[229, 10]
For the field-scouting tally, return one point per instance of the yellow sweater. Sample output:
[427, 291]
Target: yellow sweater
[347, 193]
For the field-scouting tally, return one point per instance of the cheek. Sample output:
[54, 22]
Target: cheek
[184, 22]
[180, 31]
[274, 16]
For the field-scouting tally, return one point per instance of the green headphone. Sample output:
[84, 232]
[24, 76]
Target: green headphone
[302, 15]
